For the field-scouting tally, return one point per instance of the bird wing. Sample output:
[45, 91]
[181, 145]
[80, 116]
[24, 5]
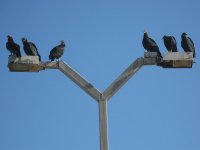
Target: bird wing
[174, 39]
[52, 53]
[33, 49]
[174, 44]
[193, 48]
[60, 51]
[153, 43]
[17, 46]
[7, 45]
[167, 43]
[191, 41]
[32, 44]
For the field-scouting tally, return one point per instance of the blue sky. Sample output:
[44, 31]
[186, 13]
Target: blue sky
[157, 109]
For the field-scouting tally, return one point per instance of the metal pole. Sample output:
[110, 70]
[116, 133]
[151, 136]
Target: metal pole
[103, 124]
[185, 60]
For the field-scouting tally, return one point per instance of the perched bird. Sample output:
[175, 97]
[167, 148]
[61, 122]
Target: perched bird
[13, 47]
[187, 44]
[30, 49]
[170, 43]
[57, 51]
[150, 45]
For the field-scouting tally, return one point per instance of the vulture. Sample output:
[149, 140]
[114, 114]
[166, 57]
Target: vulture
[150, 45]
[170, 43]
[57, 51]
[13, 47]
[30, 49]
[187, 44]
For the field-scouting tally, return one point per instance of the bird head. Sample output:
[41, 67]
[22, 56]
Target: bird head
[9, 38]
[145, 34]
[164, 37]
[183, 34]
[62, 42]
[24, 39]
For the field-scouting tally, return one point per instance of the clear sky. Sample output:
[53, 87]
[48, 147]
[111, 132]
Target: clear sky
[157, 109]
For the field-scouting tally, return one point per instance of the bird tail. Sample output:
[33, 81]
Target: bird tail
[51, 58]
[39, 57]
[18, 54]
[175, 49]
[194, 54]
[159, 54]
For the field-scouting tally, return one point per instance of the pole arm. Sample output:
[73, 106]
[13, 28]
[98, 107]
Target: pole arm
[79, 80]
[74, 76]
[48, 65]
[89, 88]
[123, 78]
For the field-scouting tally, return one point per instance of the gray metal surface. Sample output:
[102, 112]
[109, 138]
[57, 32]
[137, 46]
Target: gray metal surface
[79, 80]
[170, 60]
[49, 65]
[123, 78]
[177, 60]
[150, 54]
[178, 56]
[150, 61]
[103, 124]
[24, 64]
[24, 59]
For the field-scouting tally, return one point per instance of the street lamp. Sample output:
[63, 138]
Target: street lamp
[169, 60]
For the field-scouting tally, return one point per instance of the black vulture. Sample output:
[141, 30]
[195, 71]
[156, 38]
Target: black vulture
[30, 49]
[13, 47]
[170, 43]
[57, 51]
[150, 45]
[187, 44]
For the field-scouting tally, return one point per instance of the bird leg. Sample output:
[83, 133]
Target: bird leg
[57, 60]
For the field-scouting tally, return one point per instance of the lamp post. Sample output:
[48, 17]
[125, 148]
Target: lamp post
[170, 60]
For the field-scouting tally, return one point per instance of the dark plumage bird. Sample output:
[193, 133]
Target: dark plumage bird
[150, 45]
[170, 43]
[30, 49]
[57, 51]
[187, 44]
[13, 47]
